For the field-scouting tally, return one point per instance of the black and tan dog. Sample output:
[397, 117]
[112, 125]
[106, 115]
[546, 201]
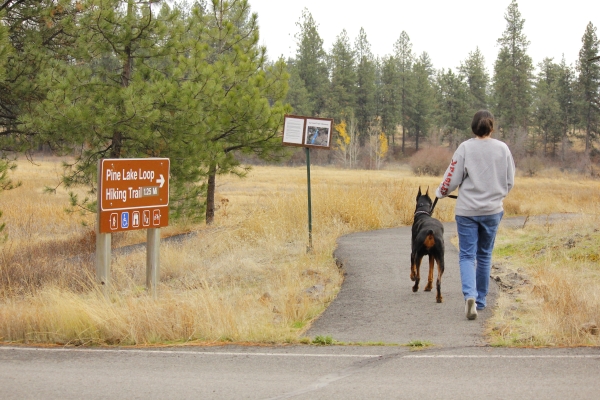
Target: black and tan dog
[427, 239]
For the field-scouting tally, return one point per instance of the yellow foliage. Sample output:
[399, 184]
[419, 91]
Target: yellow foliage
[383, 145]
[344, 139]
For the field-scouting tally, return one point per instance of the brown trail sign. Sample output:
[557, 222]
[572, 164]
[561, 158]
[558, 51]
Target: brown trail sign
[133, 194]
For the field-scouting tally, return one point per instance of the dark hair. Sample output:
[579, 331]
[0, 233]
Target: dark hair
[483, 123]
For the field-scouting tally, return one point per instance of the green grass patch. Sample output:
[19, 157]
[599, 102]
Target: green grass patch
[330, 341]
[419, 344]
[323, 340]
[299, 324]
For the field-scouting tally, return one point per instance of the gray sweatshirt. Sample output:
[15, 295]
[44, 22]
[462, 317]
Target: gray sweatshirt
[484, 172]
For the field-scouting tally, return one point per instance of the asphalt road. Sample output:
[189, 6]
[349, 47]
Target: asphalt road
[375, 304]
[299, 372]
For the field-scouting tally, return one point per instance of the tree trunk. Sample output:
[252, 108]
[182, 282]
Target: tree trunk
[588, 129]
[117, 139]
[210, 195]
[403, 138]
[417, 141]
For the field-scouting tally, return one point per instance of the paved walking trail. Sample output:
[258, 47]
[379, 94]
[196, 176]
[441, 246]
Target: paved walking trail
[376, 302]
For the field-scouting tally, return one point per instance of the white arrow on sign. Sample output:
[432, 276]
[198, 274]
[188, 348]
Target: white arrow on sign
[161, 180]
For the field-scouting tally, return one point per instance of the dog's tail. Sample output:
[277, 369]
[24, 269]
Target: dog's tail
[429, 239]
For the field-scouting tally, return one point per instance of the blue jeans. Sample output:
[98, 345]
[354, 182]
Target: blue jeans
[476, 236]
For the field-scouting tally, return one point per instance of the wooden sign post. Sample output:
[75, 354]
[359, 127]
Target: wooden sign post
[308, 132]
[133, 193]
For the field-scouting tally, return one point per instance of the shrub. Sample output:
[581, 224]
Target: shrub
[431, 161]
[531, 165]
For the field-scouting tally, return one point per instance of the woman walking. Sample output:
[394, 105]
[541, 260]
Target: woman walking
[483, 169]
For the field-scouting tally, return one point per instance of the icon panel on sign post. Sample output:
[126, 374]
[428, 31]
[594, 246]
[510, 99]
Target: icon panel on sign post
[156, 218]
[114, 221]
[124, 220]
[135, 219]
[146, 218]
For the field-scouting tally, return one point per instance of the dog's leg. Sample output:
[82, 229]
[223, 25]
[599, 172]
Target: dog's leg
[413, 267]
[430, 276]
[440, 264]
[417, 272]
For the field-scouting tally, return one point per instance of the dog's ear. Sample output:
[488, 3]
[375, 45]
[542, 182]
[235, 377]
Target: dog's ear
[419, 194]
[427, 192]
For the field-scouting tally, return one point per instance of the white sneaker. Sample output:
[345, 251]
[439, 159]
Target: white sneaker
[470, 308]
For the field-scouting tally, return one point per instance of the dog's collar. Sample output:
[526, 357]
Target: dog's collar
[422, 212]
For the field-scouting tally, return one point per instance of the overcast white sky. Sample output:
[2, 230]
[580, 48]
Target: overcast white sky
[447, 30]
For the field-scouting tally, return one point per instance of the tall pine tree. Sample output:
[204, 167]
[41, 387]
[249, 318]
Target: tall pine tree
[513, 74]
[341, 96]
[423, 98]
[5, 165]
[588, 85]
[546, 108]
[311, 63]
[389, 96]
[107, 97]
[365, 85]
[298, 96]
[473, 69]
[565, 98]
[454, 104]
[194, 87]
[36, 34]
[246, 103]
[404, 58]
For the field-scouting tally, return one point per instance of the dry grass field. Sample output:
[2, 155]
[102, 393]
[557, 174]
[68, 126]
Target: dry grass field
[249, 278]
[552, 274]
